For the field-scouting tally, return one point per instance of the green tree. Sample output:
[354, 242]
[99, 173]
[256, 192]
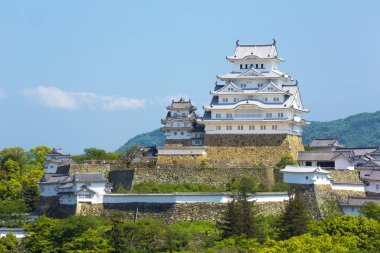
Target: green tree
[38, 155]
[17, 154]
[367, 231]
[240, 216]
[95, 153]
[12, 210]
[294, 220]
[9, 244]
[371, 210]
[285, 160]
[146, 235]
[11, 168]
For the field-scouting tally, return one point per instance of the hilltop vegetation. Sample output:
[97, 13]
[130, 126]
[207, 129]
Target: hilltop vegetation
[154, 138]
[355, 131]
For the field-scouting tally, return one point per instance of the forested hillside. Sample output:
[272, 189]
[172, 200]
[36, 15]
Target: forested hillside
[355, 131]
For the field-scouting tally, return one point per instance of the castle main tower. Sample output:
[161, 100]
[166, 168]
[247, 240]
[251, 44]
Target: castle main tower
[256, 106]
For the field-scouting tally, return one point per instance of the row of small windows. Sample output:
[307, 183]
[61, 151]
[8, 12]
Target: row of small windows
[267, 115]
[244, 85]
[226, 100]
[256, 66]
[251, 127]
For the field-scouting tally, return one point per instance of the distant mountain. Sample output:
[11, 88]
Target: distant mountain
[354, 131]
[358, 130]
[154, 138]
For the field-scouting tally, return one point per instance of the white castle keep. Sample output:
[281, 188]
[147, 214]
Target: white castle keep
[256, 97]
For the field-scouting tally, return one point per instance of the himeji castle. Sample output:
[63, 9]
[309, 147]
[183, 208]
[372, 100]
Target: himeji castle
[255, 97]
[255, 116]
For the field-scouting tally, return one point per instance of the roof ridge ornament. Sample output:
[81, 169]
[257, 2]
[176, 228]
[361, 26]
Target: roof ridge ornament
[274, 42]
[237, 43]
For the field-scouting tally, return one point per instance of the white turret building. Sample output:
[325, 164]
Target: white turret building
[181, 126]
[256, 97]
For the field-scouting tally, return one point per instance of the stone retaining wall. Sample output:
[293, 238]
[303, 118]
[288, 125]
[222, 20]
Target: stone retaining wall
[51, 207]
[172, 213]
[245, 140]
[212, 176]
[345, 176]
[84, 168]
[239, 151]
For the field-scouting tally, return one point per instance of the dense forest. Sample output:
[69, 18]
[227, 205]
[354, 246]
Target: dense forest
[347, 130]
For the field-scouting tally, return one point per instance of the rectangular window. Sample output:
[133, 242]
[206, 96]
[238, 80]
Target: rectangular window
[260, 85]
[229, 115]
[262, 127]
[218, 127]
[225, 100]
[274, 127]
[257, 66]
[251, 66]
[182, 133]
[246, 66]
[235, 99]
[251, 127]
[280, 114]
[269, 115]
[218, 115]
[276, 99]
[377, 187]
[229, 127]
[241, 66]
[240, 128]
[175, 133]
[266, 99]
[243, 85]
[262, 65]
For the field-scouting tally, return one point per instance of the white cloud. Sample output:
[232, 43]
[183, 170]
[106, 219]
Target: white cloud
[54, 97]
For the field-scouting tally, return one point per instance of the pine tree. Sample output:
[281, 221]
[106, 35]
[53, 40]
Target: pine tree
[239, 217]
[295, 218]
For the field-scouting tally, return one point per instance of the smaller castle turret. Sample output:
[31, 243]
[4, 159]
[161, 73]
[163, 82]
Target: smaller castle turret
[181, 127]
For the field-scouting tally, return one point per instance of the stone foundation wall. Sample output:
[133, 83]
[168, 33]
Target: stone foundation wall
[184, 161]
[239, 151]
[345, 176]
[172, 213]
[51, 207]
[201, 175]
[323, 202]
[84, 168]
[244, 140]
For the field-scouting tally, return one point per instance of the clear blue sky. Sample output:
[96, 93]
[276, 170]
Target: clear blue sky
[77, 74]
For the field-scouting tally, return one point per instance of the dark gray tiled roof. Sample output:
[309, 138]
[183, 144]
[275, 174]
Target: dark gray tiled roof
[53, 178]
[359, 201]
[323, 142]
[359, 151]
[89, 177]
